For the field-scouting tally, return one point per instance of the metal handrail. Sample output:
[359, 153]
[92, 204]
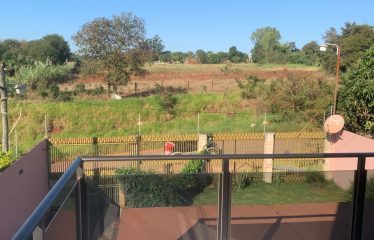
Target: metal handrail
[359, 191]
[225, 156]
[37, 215]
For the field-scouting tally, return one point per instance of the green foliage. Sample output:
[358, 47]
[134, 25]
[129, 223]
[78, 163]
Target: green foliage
[51, 47]
[118, 43]
[168, 103]
[42, 76]
[154, 48]
[201, 55]
[6, 159]
[369, 191]
[242, 180]
[148, 189]
[194, 166]
[356, 96]
[290, 95]
[354, 40]
[266, 42]
[315, 177]
[235, 56]
[253, 87]
[14, 53]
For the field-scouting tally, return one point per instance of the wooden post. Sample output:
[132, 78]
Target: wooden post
[4, 109]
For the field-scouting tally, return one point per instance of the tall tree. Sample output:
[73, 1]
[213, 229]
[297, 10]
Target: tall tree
[118, 43]
[356, 95]
[155, 47]
[266, 42]
[311, 52]
[52, 47]
[236, 56]
[201, 55]
[354, 41]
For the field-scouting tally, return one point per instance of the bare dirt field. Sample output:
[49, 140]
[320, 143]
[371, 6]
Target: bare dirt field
[198, 78]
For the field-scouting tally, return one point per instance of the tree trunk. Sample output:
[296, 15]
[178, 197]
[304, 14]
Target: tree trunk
[4, 110]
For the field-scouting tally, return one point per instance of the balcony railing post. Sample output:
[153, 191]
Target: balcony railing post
[81, 206]
[358, 199]
[224, 203]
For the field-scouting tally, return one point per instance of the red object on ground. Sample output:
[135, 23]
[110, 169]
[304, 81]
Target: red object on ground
[169, 148]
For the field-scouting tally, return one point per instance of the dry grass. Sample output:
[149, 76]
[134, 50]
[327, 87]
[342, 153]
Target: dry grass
[195, 78]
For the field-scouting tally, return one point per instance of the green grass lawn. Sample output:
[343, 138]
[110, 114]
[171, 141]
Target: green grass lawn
[284, 193]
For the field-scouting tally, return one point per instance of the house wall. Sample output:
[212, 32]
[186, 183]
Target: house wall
[342, 169]
[22, 186]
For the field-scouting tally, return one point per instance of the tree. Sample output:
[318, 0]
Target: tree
[178, 57]
[236, 56]
[52, 47]
[311, 52]
[117, 42]
[266, 42]
[201, 55]
[165, 56]
[356, 95]
[354, 41]
[14, 53]
[155, 47]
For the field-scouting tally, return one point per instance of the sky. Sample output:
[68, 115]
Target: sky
[211, 25]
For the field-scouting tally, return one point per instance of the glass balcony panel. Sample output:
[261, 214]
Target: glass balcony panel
[147, 201]
[368, 226]
[291, 205]
[62, 224]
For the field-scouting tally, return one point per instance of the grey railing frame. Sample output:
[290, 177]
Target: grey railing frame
[224, 198]
[38, 215]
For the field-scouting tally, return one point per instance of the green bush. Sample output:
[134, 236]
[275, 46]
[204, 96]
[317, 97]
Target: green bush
[315, 177]
[6, 159]
[168, 103]
[242, 180]
[42, 76]
[369, 192]
[148, 189]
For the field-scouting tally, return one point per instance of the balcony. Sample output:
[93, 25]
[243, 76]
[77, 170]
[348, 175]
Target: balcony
[121, 197]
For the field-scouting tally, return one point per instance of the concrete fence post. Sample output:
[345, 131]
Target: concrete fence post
[268, 162]
[203, 140]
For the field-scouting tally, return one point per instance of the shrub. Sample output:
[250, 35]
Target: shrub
[356, 96]
[41, 76]
[168, 103]
[369, 192]
[148, 189]
[242, 180]
[6, 159]
[313, 177]
[80, 89]
[253, 87]
[96, 91]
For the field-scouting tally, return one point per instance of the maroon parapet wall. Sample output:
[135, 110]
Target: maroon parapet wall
[22, 186]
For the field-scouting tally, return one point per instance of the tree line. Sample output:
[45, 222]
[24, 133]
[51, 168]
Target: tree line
[353, 39]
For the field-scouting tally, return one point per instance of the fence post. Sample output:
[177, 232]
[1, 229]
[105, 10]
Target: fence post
[95, 146]
[224, 203]
[268, 162]
[359, 199]
[202, 142]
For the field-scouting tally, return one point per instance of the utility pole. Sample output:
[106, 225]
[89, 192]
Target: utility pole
[4, 109]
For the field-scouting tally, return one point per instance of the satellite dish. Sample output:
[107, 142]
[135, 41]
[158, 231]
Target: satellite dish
[334, 124]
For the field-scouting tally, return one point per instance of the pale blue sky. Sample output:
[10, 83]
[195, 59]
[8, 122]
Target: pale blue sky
[187, 25]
